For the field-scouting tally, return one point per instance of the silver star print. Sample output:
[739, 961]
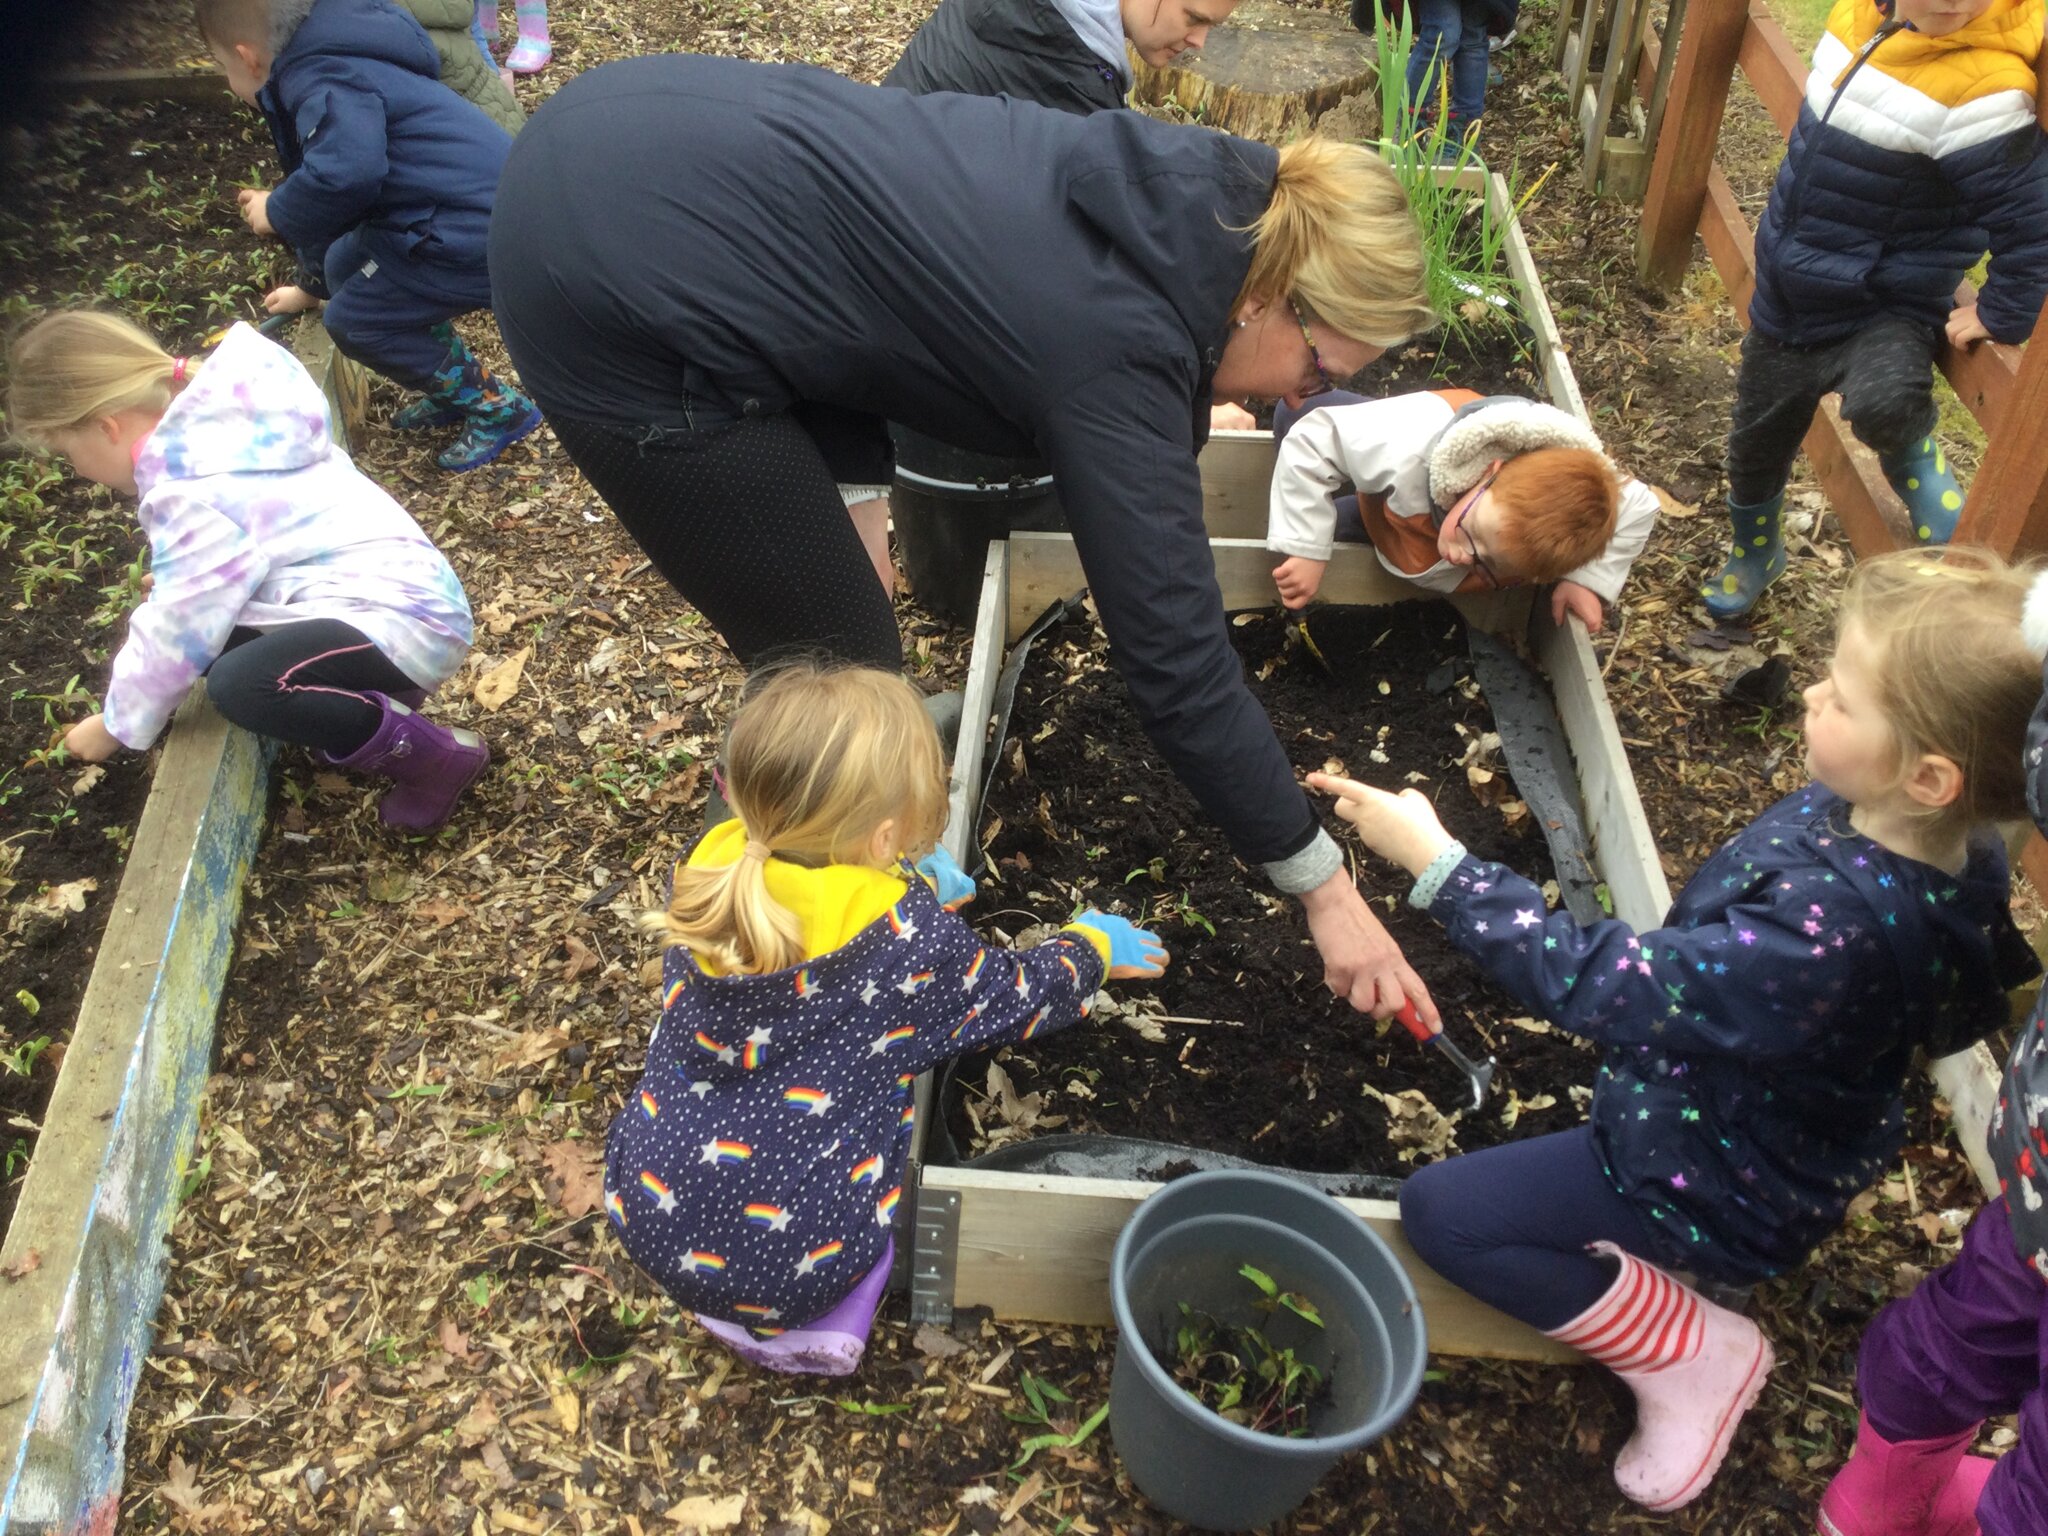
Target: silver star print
[710, 1150]
[779, 1222]
[760, 1037]
[700, 1089]
[907, 986]
[666, 1200]
[870, 992]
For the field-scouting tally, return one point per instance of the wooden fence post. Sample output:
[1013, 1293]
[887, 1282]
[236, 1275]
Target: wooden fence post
[1687, 137]
[2007, 507]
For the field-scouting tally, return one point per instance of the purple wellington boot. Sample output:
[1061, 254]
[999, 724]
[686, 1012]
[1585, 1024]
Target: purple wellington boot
[429, 765]
[826, 1346]
[1905, 1487]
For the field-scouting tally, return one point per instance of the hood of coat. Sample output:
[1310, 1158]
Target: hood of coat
[1183, 220]
[250, 408]
[357, 29]
[1499, 427]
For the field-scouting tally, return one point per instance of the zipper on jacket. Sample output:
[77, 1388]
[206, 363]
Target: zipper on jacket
[1792, 198]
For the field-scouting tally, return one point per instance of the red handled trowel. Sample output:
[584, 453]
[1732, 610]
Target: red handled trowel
[1480, 1073]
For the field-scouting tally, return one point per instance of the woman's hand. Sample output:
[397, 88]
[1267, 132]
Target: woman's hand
[1229, 416]
[1568, 597]
[255, 205]
[90, 740]
[1403, 827]
[1361, 962]
[290, 299]
[1299, 579]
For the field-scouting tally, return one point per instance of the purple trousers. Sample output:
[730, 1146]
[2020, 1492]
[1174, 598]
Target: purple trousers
[1970, 1343]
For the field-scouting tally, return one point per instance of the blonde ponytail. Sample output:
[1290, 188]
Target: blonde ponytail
[818, 759]
[79, 364]
[1339, 238]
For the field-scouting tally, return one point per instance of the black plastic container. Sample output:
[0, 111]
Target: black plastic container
[948, 505]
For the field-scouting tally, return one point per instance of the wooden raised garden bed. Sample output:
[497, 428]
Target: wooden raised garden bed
[1037, 1246]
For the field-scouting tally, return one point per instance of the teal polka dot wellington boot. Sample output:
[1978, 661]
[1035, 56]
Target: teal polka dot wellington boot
[1756, 558]
[1928, 487]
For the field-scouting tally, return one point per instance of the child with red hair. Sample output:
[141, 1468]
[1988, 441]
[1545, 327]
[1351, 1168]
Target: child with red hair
[1457, 492]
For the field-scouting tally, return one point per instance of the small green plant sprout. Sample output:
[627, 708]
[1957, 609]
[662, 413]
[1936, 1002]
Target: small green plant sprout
[1054, 1412]
[1153, 869]
[477, 1291]
[21, 1061]
[1236, 1372]
[1184, 909]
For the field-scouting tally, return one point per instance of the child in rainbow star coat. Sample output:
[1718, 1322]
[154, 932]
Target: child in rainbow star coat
[757, 1168]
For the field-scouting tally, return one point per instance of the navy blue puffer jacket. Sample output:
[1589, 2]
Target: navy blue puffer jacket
[1904, 173]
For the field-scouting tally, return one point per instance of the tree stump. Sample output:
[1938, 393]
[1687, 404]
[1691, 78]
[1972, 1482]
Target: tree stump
[1267, 73]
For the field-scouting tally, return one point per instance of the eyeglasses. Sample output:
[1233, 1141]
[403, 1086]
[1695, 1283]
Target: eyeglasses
[1323, 380]
[1468, 502]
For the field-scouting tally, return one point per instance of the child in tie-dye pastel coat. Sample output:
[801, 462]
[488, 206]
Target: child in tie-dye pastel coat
[314, 606]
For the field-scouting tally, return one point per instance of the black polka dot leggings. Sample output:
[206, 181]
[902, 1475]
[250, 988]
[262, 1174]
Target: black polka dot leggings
[746, 522]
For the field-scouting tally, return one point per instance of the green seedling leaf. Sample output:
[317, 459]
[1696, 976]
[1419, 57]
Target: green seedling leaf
[1262, 1280]
[873, 1410]
[1301, 1307]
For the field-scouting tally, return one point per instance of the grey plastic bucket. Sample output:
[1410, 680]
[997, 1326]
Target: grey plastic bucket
[1316, 1216]
[1192, 1463]
[948, 504]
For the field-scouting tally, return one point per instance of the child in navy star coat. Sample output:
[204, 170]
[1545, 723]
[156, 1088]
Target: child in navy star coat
[1756, 1045]
[756, 1170]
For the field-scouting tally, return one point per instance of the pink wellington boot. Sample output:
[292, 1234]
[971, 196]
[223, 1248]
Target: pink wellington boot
[429, 765]
[530, 55]
[1905, 1487]
[1694, 1369]
[831, 1345]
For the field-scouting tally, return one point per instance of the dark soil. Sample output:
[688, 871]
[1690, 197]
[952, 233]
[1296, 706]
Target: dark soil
[1095, 817]
[119, 210]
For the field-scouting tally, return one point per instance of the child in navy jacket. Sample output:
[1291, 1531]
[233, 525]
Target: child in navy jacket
[1916, 150]
[1756, 1045]
[1972, 1341]
[389, 181]
[757, 1169]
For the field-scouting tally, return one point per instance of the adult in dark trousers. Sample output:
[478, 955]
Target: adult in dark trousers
[721, 278]
[1068, 54]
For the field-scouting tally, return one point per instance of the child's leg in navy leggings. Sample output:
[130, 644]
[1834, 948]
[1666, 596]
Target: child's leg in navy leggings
[1511, 1225]
[305, 684]
[1970, 1343]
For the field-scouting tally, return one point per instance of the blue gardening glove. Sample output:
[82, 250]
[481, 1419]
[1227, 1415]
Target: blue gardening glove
[946, 878]
[1134, 951]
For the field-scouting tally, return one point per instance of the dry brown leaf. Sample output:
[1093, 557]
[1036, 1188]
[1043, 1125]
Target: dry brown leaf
[68, 897]
[494, 690]
[481, 1419]
[454, 1341]
[534, 1047]
[181, 1488]
[1414, 1125]
[936, 1343]
[1670, 506]
[568, 1409]
[582, 958]
[84, 783]
[709, 1512]
[441, 912]
[576, 1177]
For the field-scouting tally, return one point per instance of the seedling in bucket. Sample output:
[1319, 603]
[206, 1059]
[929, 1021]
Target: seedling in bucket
[1234, 1370]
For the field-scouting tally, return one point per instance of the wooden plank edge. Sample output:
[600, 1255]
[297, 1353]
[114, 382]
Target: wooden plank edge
[341, 380]
[1552, 354]
[101, 1192]
[1037, 1247]
[1624, 847]
[122, 87]
[1969, 1081]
